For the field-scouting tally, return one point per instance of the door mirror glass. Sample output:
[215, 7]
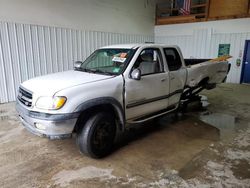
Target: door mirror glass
[77, 65]
[136, 74]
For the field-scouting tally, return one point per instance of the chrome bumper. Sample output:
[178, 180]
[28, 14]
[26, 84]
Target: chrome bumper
[52, 126]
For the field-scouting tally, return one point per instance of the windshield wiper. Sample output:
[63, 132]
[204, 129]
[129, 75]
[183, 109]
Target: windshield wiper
[94, 71]
[100, 71]
[84, 69]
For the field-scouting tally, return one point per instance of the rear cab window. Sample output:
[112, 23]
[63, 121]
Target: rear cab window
[173, 59]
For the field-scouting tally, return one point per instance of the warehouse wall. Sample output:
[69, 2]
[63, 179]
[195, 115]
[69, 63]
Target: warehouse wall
[133, 17]
[41, 37]
[27, 51]
[201, 40]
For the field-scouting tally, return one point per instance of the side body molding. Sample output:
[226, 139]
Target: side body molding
[105, 101]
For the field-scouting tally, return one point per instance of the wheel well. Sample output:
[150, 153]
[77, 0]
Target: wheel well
[204, 81]
[92, 110]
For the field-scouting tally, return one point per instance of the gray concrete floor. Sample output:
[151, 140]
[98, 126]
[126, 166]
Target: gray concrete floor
[202, 148]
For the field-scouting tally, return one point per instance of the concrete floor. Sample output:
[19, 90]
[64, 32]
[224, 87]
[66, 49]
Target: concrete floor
[203, 148]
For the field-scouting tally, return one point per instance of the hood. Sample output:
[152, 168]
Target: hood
[48, 85]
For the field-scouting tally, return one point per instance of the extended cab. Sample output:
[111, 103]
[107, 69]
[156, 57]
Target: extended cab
[114, 87]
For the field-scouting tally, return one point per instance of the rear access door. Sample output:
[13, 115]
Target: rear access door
[177, 74]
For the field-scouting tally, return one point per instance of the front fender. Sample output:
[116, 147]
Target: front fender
[104, 101]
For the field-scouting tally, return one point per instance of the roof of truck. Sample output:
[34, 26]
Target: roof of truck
[134, 46]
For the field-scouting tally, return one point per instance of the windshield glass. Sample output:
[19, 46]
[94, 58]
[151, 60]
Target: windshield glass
[107, 61]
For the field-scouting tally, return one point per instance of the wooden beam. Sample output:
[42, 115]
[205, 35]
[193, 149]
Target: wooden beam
[166, 22]
[199, 5]
[175, 19]
[229, 17]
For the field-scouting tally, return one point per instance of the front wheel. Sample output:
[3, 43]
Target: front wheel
[96, 138]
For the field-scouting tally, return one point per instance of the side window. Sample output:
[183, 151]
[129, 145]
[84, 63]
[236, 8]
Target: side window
[173, 59]
[149, 62]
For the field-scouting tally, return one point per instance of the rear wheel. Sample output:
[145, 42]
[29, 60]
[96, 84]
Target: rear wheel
[96, 137]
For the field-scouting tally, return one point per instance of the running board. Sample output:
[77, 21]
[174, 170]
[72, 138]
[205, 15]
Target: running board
[153, 115]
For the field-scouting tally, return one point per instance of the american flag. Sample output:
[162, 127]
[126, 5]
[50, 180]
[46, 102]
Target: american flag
[184, 6]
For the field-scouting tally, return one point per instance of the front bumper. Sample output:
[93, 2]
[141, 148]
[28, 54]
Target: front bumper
[52, 126]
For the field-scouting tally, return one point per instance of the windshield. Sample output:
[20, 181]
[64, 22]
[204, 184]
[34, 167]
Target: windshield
[107, 61]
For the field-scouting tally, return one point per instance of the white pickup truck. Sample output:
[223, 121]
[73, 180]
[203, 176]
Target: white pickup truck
[114, 87]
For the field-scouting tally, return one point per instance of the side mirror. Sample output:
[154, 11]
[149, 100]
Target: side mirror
[77, 65]
[136, 74]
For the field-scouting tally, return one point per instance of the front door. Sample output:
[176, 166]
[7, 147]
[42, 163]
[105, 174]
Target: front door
[246, 64]
[150, 93]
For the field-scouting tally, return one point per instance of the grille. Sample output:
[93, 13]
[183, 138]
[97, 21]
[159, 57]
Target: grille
[25, 97]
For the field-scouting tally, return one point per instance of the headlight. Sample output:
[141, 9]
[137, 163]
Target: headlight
[50, 103]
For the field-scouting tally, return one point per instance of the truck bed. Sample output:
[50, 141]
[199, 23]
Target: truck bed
[189, 62]
[213, 70]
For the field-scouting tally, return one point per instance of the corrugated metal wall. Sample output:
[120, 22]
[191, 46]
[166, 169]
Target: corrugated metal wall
[27, 51]
[204, 43]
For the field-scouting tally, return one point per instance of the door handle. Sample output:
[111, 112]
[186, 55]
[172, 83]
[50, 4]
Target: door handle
[163, 79]
[172, 77]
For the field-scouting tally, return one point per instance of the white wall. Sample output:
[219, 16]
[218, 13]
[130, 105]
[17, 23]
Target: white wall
[116, 16]
[202, 39]
[27, 51]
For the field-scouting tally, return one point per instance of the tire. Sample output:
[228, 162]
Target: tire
[96, 138]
